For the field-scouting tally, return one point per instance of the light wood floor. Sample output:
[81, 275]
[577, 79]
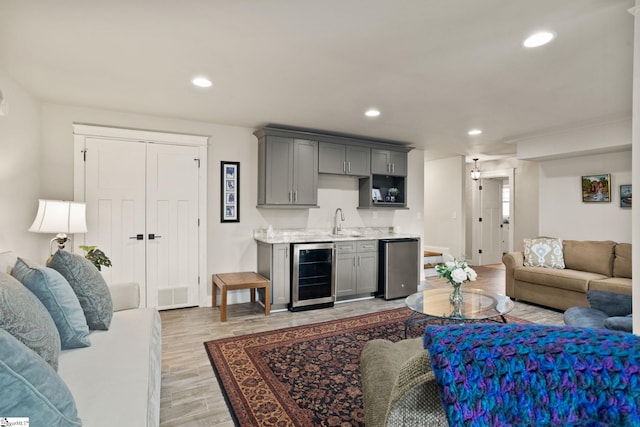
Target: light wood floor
[190, 393]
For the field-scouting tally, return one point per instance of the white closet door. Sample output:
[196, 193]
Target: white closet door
[115, 196]
[491, 201]
[172, 226]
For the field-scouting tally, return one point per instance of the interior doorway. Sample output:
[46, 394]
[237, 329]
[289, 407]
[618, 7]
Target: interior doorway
[492, 216]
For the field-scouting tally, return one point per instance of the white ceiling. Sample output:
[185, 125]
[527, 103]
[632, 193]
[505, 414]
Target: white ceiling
[435, 68]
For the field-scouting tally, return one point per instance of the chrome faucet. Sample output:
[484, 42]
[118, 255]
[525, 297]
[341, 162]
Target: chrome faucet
[338, 226]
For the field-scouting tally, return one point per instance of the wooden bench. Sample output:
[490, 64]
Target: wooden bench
[235, 281]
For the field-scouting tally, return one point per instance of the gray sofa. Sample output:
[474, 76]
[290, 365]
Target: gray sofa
[116, 380]
[589, 265]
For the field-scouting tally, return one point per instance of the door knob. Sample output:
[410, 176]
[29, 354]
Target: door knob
[137, 237]
[153, 236]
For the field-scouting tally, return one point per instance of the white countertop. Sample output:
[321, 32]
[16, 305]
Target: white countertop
[304, 235]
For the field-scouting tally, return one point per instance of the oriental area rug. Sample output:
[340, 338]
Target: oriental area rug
[305, 375]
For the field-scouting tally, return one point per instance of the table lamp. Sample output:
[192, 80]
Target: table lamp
[61, 217]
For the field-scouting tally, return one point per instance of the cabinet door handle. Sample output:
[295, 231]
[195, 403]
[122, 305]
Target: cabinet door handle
[349, 166]
[137, 237]
[393, 168]
[344, 166]
[389, 167]
[295, 196]
[290, 195]
[154, 236]
[358, 260]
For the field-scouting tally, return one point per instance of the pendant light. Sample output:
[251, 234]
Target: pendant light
[475, 172]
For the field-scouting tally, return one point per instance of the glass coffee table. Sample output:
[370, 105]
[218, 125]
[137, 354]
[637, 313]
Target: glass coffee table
[476, 305]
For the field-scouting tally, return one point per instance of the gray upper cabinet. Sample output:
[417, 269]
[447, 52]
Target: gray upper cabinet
[343, 159]
[287, 171]
[387, 162]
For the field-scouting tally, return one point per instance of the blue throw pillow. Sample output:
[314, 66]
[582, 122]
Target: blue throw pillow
[88, 285]
[56, 294]
[23, 316]
[31, 388]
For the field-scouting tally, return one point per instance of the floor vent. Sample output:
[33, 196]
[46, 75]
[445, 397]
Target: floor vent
[173, 296]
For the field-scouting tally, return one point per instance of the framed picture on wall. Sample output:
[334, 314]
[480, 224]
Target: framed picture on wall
[229, 191]
[625, 196]
[596, 188]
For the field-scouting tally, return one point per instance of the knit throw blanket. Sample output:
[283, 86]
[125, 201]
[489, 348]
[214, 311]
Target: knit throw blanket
[523, 375]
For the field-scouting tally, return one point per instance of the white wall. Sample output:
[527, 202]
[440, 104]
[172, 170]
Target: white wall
[230, 245]
[444, 205]
[20, 170]
[562, 212]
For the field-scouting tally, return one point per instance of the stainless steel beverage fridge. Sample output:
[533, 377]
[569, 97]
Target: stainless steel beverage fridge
[312, 276]
[399, 265]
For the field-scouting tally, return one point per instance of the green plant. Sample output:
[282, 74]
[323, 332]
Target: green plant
[96, 256]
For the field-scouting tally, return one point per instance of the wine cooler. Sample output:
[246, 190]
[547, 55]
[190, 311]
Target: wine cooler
[312, 276]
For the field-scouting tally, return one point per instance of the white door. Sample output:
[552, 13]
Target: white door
[115, 197]
[142, 211]
[491, 233]
[172, 225]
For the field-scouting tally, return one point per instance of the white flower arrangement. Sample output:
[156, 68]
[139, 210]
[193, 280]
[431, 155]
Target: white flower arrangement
[456, 272]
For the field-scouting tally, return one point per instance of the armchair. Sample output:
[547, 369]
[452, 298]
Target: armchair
[606, 310]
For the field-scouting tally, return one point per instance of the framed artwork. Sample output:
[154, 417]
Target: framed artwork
[625, 196]
[376, 195]
[596, 188]
[229, 191]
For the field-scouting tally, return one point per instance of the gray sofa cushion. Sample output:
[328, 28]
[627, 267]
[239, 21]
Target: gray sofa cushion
[611, 303]
[31, 388]
[89, 286]
[23, 316]
[619, 323]
[585, 317]
[56, 294]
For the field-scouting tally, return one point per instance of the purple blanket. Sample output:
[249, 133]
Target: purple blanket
[505, 375]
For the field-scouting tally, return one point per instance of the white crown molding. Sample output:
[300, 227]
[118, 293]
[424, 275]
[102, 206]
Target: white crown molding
[139, 135]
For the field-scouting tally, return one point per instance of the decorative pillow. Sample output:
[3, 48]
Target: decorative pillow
[56, 294]
[543, 252]
[23, 316]
[31, 388]
[89, 286]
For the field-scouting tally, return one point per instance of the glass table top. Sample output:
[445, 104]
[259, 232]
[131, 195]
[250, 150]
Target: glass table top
[476, 304]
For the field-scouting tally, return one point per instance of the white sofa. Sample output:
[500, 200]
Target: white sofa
[116, 381]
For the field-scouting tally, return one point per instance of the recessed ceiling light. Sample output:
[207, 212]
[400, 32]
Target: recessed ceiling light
[474, 132]
[372, 112]
[201, 82]
[539, 39]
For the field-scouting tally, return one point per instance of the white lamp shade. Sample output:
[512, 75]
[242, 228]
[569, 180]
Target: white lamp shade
[58, 216]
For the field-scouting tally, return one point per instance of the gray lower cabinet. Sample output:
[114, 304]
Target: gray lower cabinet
[340, 159]
[287, 171]
[388, 162]
[356, 267]
[274, 263]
